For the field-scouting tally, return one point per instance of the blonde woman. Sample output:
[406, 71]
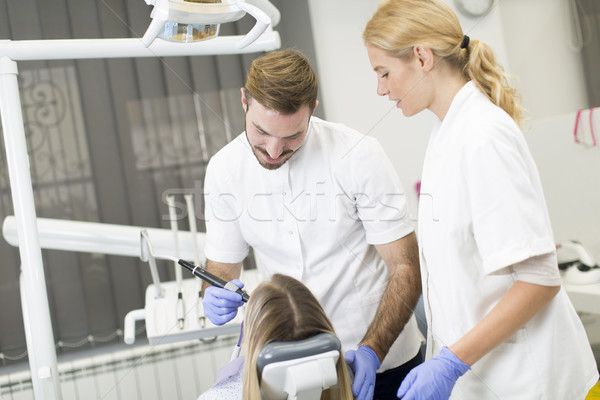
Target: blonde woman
[280, 310]
[500, 326]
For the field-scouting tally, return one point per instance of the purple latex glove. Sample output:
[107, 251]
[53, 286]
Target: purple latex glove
[221, 305]
[364, 363]
[434, 379]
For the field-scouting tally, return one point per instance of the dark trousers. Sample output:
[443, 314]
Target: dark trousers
[388, 382]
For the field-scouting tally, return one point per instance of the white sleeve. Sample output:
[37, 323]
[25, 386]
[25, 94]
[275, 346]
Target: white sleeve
[379, 197]
[540, 270]
[509, 214]
[224, 240]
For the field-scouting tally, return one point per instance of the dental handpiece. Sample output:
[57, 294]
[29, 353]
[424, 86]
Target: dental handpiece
[213, 279]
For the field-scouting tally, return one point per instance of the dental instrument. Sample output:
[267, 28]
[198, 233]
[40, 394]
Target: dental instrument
[214, 280]
[189, 201]
[175, 229]
[163, 313]
[147, 255]
[238, 347]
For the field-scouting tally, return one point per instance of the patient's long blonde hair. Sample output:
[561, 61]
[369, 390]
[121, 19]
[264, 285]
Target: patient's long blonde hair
[399, 25]
[284, 309]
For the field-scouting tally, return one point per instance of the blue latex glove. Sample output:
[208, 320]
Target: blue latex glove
[221, 305]
[434, 379]
[364, 363]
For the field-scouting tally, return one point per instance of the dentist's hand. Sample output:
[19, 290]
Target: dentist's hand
[434, 379]
[221, 305]
[364, 363]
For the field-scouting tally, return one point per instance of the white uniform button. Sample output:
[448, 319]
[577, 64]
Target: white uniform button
[291, 232]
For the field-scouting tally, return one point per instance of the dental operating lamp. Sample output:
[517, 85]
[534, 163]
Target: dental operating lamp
[186, 33]
[195, 20]
[178, 28]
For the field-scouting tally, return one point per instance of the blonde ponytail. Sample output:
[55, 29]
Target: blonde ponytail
[489, 76]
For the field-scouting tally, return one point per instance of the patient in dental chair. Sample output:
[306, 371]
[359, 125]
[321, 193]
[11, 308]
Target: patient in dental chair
[280, 310]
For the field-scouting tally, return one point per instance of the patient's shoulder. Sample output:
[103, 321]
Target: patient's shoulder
[229, 389]
[229, 383]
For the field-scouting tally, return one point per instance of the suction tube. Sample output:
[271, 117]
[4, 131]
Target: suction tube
[213, 279]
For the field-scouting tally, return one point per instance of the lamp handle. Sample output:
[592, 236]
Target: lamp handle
[262, 23]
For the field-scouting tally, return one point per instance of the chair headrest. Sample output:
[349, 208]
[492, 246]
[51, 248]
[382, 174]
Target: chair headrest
[299, 370]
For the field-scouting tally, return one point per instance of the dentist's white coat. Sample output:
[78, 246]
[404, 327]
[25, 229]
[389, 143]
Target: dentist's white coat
[316, 218]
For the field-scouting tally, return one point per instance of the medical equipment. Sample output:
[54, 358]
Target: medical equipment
[298, 370]
[189, 201]
[178, 277]
[213, 279]
[577, 265]
[163, 304]
[238, 347]
[147, 255]
[149, 244]
[261, 38]
[194, 20]
[162, 320]
[34, 296]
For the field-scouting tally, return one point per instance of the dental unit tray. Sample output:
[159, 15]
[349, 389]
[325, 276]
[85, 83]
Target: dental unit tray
[160, 314]
[162, 306]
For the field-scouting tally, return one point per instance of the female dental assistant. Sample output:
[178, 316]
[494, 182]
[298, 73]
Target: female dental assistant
[500, 325]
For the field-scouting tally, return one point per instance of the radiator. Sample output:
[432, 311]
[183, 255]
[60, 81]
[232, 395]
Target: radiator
[178, 371]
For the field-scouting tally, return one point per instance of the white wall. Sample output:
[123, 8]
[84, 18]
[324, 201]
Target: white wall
[538, 36]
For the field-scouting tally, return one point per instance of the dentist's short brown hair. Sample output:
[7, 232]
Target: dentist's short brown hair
[283, 81]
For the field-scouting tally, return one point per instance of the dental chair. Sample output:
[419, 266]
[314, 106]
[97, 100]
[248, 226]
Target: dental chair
[298, 370]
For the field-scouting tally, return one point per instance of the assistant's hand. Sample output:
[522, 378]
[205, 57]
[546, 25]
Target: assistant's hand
[434, 379]
[364, 363]
[221, 305]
